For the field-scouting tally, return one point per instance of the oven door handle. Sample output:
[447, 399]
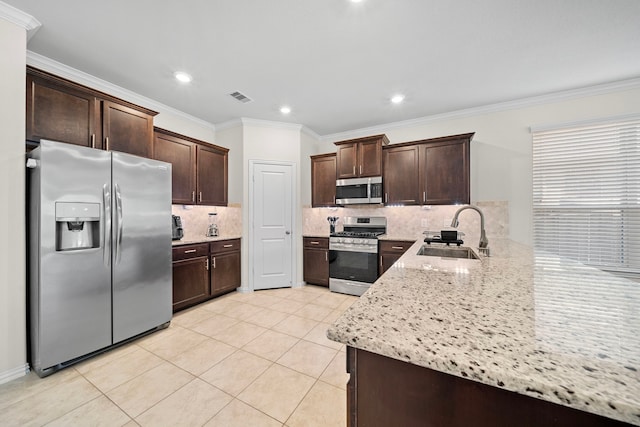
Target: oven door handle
[360, 249]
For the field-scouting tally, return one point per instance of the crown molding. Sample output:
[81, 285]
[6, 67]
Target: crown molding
[311, 133]
[19, 18]
[270, 124]
[62, 70]
[490, 108]
[230, 124]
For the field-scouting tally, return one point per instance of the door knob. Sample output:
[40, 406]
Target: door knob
[287, 232]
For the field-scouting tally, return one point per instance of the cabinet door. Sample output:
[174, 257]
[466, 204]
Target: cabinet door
[347, 157]
[127, 130]
[190, 282]
[400, 175]
[323, 181]
[225, 272]
[370, 158]
[316, 266]
[444, 173]
[182, 156]
[61, 113]
[212, 176]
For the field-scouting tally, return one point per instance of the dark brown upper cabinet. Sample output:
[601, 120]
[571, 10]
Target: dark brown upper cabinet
[400, 182]
[61, 110]
[323, 180]
[360, 157]
[432, 171]
[199, 169]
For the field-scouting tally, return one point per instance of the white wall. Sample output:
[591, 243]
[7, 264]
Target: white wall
[279, 142]
[13, 357]
[232, 138]
[501, 161]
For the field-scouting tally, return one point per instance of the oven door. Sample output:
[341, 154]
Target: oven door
[353, 266]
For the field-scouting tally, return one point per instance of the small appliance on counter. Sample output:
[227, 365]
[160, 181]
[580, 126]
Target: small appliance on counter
[212, 229]
[332, 223]
[444, 236]
[177, 232]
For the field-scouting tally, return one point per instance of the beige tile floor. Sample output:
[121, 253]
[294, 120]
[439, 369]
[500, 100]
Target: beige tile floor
[258, 359]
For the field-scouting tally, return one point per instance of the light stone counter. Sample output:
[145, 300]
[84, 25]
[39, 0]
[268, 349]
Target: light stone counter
[528, 322]
[202, 239]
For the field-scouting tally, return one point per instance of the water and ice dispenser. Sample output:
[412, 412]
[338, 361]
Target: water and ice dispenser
[77, 226]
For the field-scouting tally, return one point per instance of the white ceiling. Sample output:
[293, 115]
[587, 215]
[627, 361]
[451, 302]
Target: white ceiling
[336, 63]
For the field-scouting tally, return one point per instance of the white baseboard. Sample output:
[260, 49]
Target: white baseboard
[14, 373]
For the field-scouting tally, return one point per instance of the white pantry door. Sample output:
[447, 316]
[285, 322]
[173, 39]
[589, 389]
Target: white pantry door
[271, 216]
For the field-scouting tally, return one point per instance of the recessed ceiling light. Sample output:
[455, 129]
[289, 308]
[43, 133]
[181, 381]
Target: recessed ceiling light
[397, 99]
[182, 77]
[285, 110]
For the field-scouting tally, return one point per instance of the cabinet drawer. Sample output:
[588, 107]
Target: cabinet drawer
[315, 242]
[225, 246]
[394, 246]
[190, 251]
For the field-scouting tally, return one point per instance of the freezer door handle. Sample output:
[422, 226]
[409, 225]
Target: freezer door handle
[106, 203]
[118, 242]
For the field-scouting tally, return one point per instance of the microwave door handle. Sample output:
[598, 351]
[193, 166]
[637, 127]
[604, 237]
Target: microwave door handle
[106, 230]
[118, 242]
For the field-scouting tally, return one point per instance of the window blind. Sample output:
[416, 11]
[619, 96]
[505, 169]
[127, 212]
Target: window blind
[586, 194]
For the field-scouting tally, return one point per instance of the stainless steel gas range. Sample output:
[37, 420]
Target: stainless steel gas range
[353, 254]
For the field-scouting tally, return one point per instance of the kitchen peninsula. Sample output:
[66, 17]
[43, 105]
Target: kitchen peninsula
[518, 338]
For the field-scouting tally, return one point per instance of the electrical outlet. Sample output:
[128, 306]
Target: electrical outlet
[424, 223]
[446, 222]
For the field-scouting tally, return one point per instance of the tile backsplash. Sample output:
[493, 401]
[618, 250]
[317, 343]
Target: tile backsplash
[411, 221]
[195, 220]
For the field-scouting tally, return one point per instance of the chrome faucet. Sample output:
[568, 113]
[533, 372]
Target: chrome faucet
[484, 242]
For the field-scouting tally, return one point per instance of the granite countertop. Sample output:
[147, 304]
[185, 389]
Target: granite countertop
[522, 320]
[202, 239]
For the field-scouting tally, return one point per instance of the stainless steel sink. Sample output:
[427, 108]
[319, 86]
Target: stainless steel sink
[448, 252]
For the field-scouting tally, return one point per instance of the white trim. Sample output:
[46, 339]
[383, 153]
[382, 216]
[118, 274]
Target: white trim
[294, 203]
[310, 132]
[20, 18]
[62, 70]
[14, 373]
[490, 108]
[230, 124]
[586, 122]
[270, 124]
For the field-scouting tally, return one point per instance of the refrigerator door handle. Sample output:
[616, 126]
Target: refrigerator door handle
[106, 247]
[118, 242]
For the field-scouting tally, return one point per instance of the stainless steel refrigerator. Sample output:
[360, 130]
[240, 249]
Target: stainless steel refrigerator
[100, 251]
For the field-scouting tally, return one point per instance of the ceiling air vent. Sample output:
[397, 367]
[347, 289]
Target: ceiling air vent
[241, 97]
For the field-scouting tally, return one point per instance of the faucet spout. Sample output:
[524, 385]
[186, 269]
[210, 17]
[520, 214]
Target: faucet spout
[484, 242]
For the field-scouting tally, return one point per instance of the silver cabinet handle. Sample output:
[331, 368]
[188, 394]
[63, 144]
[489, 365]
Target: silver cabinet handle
[360, 169]
[397, 247]
[207, 264]
[190, 251]
[193, 196]
[228, 246]
[326, 255]
[214, 262]
[424, 196]
[386, 197]
[201, 197]
[314, 243]
[106, 202]
[354, 169]
[106, 141]
[380, 261]
[93, 140]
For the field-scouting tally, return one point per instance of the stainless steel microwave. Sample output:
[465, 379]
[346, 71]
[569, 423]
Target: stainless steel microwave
[357, 191]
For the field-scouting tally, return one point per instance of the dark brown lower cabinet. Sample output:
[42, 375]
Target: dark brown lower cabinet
[203, 271]
[190, 275]
[225, 266]
[386, 392]
[390, 251]
[316, 260]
